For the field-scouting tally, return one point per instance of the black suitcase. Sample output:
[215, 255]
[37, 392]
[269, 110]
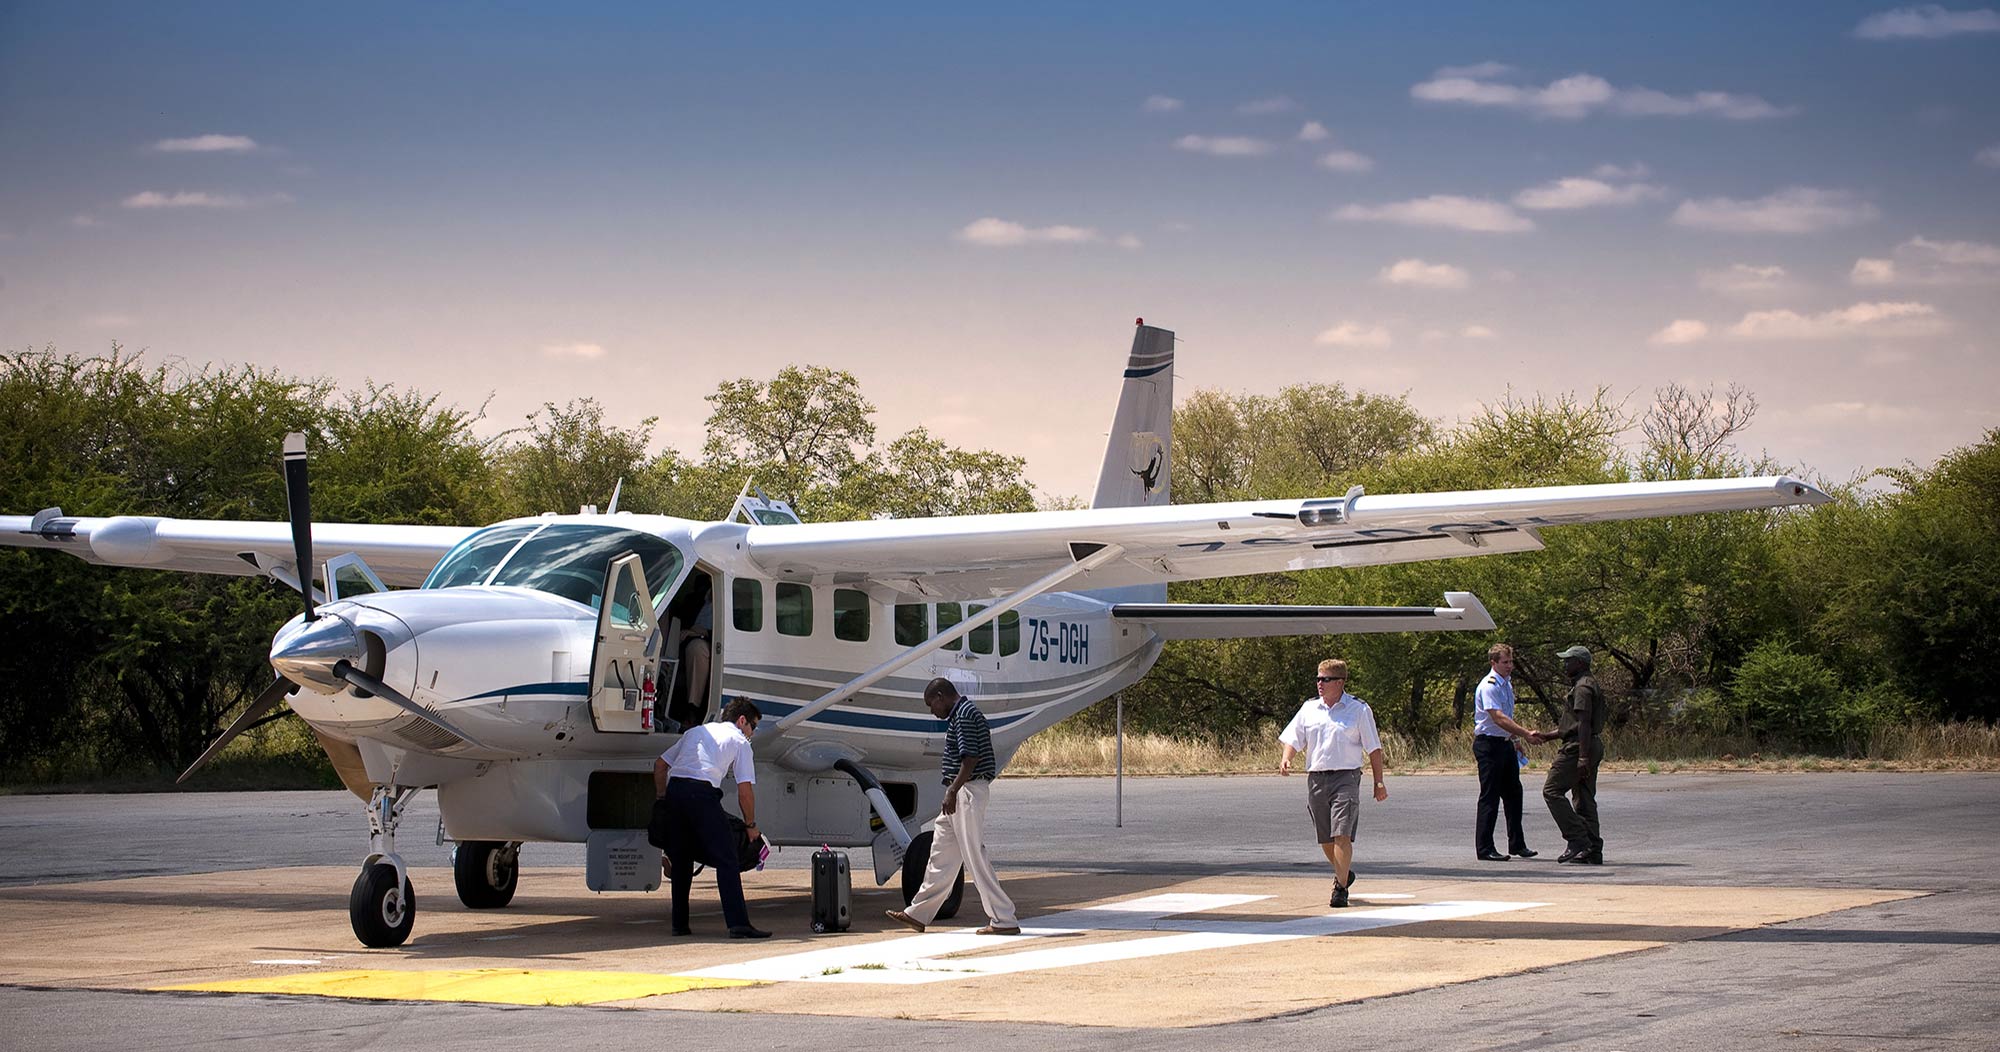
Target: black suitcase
[832, 887]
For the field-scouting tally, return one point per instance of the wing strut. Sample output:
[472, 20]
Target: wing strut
[1087, 557]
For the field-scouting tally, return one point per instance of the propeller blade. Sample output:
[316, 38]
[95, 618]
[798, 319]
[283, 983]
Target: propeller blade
[298, 508]
[394, 697]
[278, 691]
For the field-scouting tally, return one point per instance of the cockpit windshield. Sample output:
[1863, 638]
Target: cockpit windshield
[564, 558]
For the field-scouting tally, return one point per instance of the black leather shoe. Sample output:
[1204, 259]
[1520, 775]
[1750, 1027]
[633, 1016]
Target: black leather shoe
[748, 931]
[1571, 855]
[1522, 852]
[1492, 856]
[683, 931]
[1591, 858]
[1339, 900]
[1351, 874]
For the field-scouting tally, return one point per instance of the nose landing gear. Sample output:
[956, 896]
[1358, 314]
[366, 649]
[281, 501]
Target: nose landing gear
[382, 907]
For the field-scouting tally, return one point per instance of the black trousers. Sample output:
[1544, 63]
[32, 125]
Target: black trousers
[1568, 782]
[1499, 783]
[701, 833]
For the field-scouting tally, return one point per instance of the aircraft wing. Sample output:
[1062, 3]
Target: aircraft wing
[400, 555]
[1464, 613]
[982, 556]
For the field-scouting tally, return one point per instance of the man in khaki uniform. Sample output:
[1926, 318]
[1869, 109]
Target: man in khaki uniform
[1573, 775]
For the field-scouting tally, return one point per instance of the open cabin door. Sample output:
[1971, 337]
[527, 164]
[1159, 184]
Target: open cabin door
[623, 683]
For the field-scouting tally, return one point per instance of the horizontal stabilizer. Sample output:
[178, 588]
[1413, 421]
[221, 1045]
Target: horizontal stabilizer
[1463, 613]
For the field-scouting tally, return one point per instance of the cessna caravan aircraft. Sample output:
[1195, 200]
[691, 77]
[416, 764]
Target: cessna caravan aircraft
[538, 665]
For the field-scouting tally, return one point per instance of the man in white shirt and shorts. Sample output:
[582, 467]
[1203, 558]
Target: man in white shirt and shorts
[1335, 731]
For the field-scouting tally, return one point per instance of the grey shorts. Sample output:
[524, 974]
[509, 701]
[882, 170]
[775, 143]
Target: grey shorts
[1333, 799]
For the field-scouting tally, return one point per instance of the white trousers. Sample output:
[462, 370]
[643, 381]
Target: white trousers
[960, 839]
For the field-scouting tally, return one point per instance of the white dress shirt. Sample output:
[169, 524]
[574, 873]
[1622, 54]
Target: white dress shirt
[1335, 737]
[707, 751]
[1496, 694]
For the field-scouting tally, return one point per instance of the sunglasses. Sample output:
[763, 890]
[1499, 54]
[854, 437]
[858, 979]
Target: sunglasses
[1331, 679]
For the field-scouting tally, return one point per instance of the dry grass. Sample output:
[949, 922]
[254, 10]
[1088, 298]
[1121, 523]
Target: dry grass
[1924, 747]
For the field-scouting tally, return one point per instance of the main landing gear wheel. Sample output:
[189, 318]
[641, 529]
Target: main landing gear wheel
[918, 858]
[486, 872]
[382, 913]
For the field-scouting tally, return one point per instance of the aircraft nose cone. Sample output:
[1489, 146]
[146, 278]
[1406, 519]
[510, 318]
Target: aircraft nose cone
[305, 653]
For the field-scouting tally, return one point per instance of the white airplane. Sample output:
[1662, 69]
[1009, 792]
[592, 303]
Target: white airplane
[527, 677]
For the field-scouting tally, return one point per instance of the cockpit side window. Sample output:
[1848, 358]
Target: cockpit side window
[569, 560]
[565, 559]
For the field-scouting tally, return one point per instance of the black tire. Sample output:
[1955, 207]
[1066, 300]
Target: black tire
[486, 872]
[382, 914]
[915, 861]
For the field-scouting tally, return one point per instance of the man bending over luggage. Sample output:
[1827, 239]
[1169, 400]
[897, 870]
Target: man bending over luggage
[960, 838]
[689, 776]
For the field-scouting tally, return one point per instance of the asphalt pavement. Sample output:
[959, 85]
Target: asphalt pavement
[1916, 973]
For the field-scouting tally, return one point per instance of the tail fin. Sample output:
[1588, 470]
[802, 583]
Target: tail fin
[1138, 460]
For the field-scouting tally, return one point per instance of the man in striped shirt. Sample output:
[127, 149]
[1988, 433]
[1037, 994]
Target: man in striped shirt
[960, 836]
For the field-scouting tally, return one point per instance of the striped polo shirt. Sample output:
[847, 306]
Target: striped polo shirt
[967, 739]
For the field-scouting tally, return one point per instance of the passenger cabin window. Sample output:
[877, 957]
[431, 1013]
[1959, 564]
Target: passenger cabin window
[913, 624]
[980, 638]
[1010, 632]
[948, 616]
[794, 604]
[850, 615]
[746, 604]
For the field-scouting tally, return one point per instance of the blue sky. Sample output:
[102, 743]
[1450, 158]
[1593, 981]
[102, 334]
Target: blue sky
[966, 208]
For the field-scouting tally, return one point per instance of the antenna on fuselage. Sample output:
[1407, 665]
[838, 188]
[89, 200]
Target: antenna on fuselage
[615, 491]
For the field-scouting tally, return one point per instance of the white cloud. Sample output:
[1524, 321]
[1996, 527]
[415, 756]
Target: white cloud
[200, 199]
[1314, 131]
[1582, 94]
[1442, 210]
[1575, 192]
[1424, 275]
[1477, 71]
[207, 144]
[1873, 272]
[86, 221]
[1129, 241]
[1001, 233]
[1745, 281]
[574, 350]
[1265, 107]
[1346, 161]
[1869, 319]
[1990, 156]
[1635, 170]
[1793, 210]
[1354, 334]
[1681, 330]
[1921, 261]
[1478, 332]
[1926, 22]
[1161, 104]
[1223, 145]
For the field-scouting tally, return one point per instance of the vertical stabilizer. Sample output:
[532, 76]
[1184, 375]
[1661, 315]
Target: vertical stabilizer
[1138, 457]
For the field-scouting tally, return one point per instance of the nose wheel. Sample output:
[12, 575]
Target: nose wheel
[382, 908]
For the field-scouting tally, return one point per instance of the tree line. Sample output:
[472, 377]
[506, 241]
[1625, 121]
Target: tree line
[1805, 627]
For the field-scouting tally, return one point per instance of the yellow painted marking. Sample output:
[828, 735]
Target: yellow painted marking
[508, 986]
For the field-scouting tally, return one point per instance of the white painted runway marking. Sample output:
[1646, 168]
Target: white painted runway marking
[927, 958]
